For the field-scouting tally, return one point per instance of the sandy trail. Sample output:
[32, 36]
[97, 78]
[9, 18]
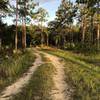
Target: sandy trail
[62, 90]
[21, 82]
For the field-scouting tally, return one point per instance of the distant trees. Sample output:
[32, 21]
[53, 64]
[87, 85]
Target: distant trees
[64, 21]
[89, 13]
[76, 26]
[84, 15]
[41, 16]
[24, 11]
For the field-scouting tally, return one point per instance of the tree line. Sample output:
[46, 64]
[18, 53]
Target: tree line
[23, 12]
[76, 26]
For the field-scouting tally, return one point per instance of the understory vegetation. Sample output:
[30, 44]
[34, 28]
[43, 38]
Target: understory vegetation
[13, 66]
[76, 25]
[40, 85]
[81, 74]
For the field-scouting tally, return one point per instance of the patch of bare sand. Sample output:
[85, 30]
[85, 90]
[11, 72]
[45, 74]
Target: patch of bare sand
[61, 90]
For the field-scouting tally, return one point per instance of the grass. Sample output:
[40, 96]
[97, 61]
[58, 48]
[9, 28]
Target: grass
[12, 67]
[40, 85]
[81, 75]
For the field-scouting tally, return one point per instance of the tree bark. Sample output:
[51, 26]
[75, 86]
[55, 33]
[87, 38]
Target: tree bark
[47, 39]
[98, 28]
[23, 33]
[0, 43]
[42, 37]
[24, 27]
[64, 37]
[16, 38]
[42, 40]
[83, 30]
[91, 30]
[98, 37]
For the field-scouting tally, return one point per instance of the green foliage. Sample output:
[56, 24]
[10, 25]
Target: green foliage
[77, 25]
[4, 5]
[42, 15]
[82, 74]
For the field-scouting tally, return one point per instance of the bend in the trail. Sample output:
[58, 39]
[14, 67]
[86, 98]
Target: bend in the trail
[21, 82]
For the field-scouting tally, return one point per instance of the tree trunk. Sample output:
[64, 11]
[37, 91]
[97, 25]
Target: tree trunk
[42, 37]
[91, 39]
[70, 37]
[47, 40]
[42, 40]
[83, 35]
[98, 37]
[16, 40]
[0, 43]
[23, 33]
[64, 37]
[98, 27]
[24, 27]
[83, 30]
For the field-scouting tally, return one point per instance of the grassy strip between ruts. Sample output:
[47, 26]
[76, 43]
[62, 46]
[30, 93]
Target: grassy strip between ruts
[14, 66]
[40, 84]
[80, 76]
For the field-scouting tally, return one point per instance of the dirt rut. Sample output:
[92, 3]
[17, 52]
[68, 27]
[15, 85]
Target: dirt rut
[61, 90]
[21, 82]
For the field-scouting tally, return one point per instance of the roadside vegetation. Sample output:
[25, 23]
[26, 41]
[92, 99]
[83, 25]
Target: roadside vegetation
[40, 85]
[81, 75]
[13, 66]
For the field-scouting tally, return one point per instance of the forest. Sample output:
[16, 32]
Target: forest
[50, 60]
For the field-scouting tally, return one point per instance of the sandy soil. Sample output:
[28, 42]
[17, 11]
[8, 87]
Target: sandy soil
[21, 82]
[62, 90]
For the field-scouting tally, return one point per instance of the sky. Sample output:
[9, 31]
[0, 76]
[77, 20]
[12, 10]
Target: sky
[50, 5]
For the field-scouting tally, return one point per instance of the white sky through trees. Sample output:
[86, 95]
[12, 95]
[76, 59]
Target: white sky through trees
[50, 5]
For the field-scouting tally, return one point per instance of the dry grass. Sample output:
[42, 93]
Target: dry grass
[40, 85]
[14, 66]
[81, 75]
